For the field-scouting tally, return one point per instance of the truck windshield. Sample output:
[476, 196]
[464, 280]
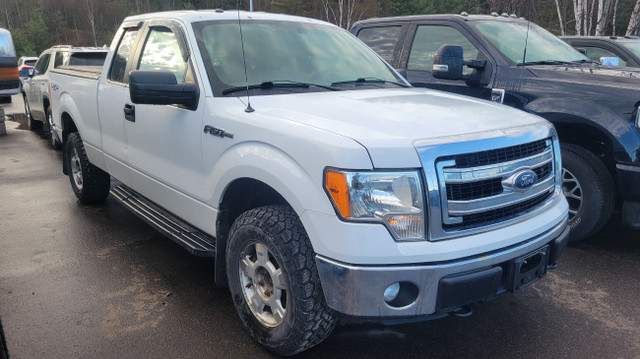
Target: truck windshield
[510, 37]
[280, 54]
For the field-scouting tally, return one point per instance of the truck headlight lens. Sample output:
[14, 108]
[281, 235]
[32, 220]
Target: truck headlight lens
[392, 198]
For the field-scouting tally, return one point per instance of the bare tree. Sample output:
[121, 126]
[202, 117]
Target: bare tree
[90, 8]
[560, 18]
[613, 22]
[633, 21]
[579, 13]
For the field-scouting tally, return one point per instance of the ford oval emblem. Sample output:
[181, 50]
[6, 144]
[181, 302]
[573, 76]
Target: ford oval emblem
[524, 180]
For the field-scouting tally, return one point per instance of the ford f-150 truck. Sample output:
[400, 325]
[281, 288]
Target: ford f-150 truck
[514, 62]
[321, 182]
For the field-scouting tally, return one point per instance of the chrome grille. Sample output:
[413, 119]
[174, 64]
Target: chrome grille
[477, 188]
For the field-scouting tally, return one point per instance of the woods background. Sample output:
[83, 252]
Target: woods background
[39, 24]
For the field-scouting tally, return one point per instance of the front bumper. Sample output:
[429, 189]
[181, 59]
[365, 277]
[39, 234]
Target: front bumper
[358, 290]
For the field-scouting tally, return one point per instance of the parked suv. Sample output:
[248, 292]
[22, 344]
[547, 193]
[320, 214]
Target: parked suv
[512, 61]
[626, 49]
[36, 90]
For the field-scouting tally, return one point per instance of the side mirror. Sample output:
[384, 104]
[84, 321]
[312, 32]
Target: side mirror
[161, 88]
[24, 74]
[448, 63]
[582, 50]
[610, 61]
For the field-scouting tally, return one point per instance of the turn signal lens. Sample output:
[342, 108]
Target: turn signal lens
[336, 184]
[407, 226]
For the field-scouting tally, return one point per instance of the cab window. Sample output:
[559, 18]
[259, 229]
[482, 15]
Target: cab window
[595, 53]
[428, 40]
[119, 62]
[42, 65]
[381, 39]
[161, 52]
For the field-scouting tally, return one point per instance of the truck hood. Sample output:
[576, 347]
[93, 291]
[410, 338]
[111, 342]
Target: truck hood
[591, 74]
[387, 122]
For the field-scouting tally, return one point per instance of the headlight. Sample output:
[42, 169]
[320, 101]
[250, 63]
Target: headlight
[638, 117]
[391, 198]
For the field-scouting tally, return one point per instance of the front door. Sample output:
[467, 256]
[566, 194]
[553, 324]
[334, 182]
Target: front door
[427, 40]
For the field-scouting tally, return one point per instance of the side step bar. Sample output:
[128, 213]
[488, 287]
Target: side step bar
[198, 243]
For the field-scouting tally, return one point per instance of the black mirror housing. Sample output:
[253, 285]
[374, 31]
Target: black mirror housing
[448, 62]
[582, 50]
[161, 88]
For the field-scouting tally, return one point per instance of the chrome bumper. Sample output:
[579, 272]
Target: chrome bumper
[358, 290]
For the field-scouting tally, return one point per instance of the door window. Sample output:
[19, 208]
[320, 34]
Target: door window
[42, 65]
[381, 39]
[162, 52]
[428, 40]
[119, 62]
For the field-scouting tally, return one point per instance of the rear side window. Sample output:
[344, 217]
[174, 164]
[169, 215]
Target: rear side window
[119, 63]
[87, 58]
[381, 39]
[428, 40]
[43, 64]
[60, 59]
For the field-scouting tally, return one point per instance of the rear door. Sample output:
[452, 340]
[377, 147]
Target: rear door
[39, 80]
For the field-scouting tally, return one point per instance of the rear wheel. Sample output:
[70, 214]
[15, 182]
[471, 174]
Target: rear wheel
[53, 138]
[90, 184]
[274, 281]
[32, 124]
[588, 188]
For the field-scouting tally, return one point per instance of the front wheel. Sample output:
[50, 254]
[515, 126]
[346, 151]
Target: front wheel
[274, 282]
[90, 184]
[588, 188]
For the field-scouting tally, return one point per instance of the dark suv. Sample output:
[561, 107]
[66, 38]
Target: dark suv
[515, 62]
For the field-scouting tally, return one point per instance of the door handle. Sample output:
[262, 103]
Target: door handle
[130, 112]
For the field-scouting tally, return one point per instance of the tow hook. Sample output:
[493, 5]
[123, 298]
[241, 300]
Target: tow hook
[463, 312]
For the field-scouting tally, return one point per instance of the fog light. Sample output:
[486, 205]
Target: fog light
[391, 292]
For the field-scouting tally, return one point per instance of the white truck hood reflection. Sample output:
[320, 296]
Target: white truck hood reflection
[388, 121]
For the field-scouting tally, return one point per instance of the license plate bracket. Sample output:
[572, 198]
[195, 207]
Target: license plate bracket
[528, 268]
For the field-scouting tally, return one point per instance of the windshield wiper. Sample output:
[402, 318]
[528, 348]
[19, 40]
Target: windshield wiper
[269, 85]
[546, 62]
[585, 61]
[368, 80]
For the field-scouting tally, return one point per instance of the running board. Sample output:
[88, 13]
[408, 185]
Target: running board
[198, 243]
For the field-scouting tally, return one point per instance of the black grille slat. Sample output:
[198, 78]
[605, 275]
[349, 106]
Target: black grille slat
[498, 215]
[543, 171]
[506, 154]
[474, 190]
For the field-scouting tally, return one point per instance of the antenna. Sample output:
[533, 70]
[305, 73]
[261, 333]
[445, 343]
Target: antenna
[526, 43]
[244, 61]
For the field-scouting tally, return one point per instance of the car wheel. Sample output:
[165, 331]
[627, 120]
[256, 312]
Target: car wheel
[588, 188]
[32, 124]
[90, 184]
[53, 138]
[274, 282]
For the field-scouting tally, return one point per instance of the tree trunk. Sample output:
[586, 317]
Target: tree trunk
[600, 23]
[613, 24]
[560, 18]
[633, 21]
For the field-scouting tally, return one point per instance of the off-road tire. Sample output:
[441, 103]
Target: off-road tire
[95, 183]
[597, 191]
[307, 320]
[50, 136]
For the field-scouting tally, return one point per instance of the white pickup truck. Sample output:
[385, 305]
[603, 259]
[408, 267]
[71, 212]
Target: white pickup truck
[319, 180]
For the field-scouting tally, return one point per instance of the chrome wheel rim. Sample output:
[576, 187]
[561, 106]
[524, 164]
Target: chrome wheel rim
[572, 192]
[263, 284]
[76, 169]
[27, 110]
